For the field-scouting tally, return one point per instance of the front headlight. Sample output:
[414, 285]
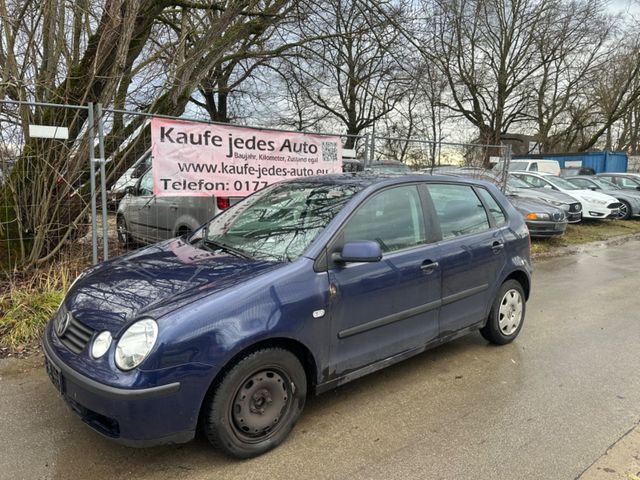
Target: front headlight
[538, 216]
[136, 343]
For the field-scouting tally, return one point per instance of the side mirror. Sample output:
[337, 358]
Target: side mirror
[593, 188]
[130, 190]
[359, 251]
[638, 187]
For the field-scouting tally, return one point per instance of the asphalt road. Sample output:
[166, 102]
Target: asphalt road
[545, 407]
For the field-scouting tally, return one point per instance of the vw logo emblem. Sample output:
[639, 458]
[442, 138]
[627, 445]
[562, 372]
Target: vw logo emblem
[62, 323]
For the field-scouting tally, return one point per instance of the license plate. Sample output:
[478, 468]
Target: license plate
[54, 375]
[558, 226]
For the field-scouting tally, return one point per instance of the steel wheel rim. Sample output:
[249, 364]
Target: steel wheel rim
[510, 312]
[261, 404]
[622, 211]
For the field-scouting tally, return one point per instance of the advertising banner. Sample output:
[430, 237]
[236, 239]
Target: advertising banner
[198, 159]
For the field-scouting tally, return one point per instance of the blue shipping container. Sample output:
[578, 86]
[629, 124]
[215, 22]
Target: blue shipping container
[599, 161]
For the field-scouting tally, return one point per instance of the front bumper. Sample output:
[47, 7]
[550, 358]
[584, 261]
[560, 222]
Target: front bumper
[139, 417]
[539, 228]
[600, 211]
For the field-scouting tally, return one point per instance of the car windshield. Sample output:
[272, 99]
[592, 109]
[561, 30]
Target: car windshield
[605, 184]
[514, 182]
[561, 183]
[279, 222]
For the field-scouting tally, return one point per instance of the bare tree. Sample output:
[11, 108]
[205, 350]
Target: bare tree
[352, 75]
[99, 59]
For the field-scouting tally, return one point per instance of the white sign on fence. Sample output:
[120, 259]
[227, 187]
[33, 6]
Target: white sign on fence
[47, 131]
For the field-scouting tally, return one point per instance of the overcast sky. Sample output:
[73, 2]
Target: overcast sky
[632, 6]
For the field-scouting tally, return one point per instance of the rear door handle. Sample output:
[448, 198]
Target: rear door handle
[497, 246]
[428, 266]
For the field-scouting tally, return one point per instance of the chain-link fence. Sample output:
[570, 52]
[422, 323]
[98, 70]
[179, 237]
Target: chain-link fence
[82, 191]
[45, 186]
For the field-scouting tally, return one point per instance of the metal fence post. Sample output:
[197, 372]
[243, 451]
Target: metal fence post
[366, 150]
[103, 184]
[92, 170]
[372, 155]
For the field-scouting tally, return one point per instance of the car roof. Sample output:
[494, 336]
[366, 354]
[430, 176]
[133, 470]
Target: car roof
[366, 179]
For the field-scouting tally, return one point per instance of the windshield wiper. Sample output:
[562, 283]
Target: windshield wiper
[226, 248]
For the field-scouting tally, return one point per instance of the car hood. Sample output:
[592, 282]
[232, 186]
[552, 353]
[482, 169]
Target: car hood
[544, 194]
[153, 281]
[588, 196]
[531, 205]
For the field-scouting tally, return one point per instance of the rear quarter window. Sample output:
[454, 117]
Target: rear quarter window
[495, 210]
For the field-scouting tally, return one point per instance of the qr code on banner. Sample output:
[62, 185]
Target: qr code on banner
[329, 151]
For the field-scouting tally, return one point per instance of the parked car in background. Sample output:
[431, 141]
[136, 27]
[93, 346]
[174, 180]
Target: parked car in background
[300, 288]
[629, 199]
[144, 218]
[573, 171]
[388, 166]
[128, 179]
[594, 205]
[627, 181]
[523, 165]
[543, 219]
[572, 208]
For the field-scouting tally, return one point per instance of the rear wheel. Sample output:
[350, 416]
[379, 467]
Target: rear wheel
[256, 404]
[506, 315]
[624, 212]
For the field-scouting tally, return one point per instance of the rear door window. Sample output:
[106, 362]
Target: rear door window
[393, 218]
[459, 210]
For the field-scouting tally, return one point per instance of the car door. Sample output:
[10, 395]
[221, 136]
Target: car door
[472, 252]
[383, 308]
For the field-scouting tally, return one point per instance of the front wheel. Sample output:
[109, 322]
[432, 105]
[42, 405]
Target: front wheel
[256, 404]
[624, 212]
[506, 315]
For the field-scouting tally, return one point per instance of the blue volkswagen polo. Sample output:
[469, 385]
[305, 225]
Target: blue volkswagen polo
[299, 288]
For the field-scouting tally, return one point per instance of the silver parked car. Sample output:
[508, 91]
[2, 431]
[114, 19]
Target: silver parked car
[144, 218]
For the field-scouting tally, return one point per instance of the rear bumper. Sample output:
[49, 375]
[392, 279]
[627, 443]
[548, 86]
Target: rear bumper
[139, 417]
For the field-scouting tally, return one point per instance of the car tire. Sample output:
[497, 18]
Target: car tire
[507, 314]
[256, 404]
[124, 237]
[625, 210]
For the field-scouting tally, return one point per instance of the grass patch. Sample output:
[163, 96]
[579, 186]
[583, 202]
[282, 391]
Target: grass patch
[585, 232]
[26, 307]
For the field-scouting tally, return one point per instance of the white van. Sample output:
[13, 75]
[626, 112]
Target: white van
[532, 165]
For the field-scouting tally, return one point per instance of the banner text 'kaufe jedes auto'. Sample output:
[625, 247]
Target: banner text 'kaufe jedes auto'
[198, 159]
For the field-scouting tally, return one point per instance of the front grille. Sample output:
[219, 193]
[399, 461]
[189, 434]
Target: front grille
[614, 205]
[77, 335]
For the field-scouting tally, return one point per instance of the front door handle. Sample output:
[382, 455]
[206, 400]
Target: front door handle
[497, 246]
[173, 206]
[428, 266]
